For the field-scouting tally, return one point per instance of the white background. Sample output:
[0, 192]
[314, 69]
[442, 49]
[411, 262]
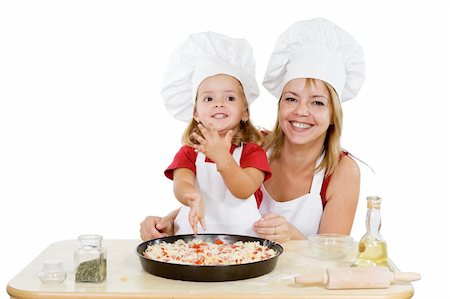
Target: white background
[84, 136]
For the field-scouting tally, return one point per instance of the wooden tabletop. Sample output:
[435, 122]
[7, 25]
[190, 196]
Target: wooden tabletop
[127, 279]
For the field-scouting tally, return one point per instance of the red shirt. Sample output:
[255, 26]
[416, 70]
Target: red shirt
[252, 156]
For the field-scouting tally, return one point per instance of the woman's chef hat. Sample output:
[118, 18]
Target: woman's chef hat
[200, 56]
[317, 49]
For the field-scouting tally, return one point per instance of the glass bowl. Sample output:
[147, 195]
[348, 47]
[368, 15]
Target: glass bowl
[52, 272]
[330, 246]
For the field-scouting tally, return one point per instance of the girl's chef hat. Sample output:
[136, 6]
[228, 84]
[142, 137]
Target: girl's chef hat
[200, 56]
[317, 49]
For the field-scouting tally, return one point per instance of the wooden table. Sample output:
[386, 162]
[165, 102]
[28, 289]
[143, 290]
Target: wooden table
[127, 279]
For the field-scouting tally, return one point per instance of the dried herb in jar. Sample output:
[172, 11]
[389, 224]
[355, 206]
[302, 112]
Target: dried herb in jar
[90, 259]
[92, 270]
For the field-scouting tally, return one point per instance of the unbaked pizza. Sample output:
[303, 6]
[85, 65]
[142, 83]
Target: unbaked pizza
[199, 252]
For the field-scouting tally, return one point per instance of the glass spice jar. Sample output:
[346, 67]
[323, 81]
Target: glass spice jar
[90, 259]
[52, 272]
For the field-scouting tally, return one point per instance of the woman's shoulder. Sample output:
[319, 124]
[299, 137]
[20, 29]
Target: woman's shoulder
[346, 172]
[346, 167]
[346, 161]
[344, 179]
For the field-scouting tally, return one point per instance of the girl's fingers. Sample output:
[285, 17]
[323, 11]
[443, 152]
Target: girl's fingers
[193, 223]
[199, 138]
[203, 129]
[211, 127]
[203, 223]
[229, 136]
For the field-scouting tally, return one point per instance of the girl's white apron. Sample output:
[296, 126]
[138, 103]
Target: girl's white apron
[224, 213]
[304, 212]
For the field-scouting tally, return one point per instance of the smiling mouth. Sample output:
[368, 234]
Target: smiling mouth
[219, 116]
[299, 125]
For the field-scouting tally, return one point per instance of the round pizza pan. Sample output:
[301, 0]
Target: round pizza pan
[209, 273]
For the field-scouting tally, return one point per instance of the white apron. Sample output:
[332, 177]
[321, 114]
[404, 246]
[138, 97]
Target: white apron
[224, 213]
[304, 212]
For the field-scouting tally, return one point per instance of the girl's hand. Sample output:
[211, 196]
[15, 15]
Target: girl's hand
[197, 211]
[214, 146]
[274, 227]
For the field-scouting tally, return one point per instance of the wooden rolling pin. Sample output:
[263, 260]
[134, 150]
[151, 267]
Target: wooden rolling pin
[356, 278]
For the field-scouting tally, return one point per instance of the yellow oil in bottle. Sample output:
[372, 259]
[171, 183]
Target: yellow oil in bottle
[372, 253]
[372, 249]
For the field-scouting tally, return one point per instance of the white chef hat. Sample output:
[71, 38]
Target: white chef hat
[318, 49]
[200, 56]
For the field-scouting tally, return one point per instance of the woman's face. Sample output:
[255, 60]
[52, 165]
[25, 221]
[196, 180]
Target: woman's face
[221, 101]
[305, 111]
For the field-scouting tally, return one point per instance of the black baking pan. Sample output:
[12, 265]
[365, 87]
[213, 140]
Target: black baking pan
[209, 273]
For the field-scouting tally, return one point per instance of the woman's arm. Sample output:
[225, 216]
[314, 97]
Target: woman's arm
[342, 198]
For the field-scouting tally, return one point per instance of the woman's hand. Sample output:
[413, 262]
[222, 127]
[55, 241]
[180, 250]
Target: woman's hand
[197, 211]
[276, 228]
[154, 227]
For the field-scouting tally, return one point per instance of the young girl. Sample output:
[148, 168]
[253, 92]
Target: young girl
[221, 165]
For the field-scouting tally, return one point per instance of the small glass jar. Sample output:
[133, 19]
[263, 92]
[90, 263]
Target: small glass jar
[52, 272]
[90, 259]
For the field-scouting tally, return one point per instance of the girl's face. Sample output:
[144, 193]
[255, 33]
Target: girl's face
[305, 111]
[221, 101]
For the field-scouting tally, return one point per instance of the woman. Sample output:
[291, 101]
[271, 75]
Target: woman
[314, 186]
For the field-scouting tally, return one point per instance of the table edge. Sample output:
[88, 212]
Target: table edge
[19, 294]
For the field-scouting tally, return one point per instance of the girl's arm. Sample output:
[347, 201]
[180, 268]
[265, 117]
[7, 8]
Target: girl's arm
[183, 183]
[342, 198]
[186, 192]
[242, 182]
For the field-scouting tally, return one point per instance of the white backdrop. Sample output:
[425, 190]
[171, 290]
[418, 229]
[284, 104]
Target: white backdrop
[84, 136]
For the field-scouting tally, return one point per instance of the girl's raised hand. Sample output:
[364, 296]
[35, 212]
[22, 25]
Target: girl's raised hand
[212, 144]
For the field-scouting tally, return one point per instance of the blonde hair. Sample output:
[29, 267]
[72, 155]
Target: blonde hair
[247, 131]
[332, 144]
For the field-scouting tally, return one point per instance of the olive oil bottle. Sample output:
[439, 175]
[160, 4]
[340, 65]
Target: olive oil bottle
[372, 249]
